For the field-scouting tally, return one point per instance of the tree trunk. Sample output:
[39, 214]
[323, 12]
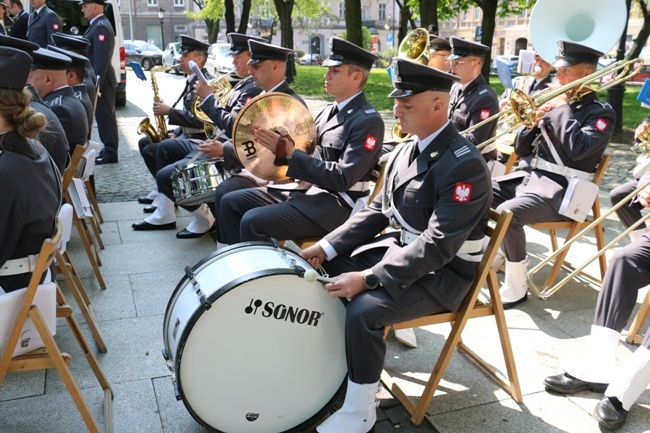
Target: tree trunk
[353, 22]
[245, 15]
[284, 9]
[642, 37]
[229, 15]
[428, 12]
[489, 8]
[405, 17]
[213, 30]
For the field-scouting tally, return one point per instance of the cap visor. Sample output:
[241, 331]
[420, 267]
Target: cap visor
[561, 63]
[454, 57]
[330, 62]
[253, 61]
[400, 93]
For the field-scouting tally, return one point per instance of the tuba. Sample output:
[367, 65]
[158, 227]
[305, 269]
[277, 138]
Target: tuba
[415, 46]
[145, 127]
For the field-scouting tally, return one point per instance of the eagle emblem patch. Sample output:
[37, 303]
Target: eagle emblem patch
[370, 143]
[101, 38]
[601, 124]
[462, 192]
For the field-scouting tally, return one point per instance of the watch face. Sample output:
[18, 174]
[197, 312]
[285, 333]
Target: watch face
[371, 281]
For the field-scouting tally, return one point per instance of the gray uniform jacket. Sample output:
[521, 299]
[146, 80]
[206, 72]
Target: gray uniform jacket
[579, 132]
[350, 143]
[224, 117]
[52, 137]
[30, 195]
[472, 104]
[81, 93]
[71, 114]
[184, 117]
[446, 194]
[42, 26]
[100, 52]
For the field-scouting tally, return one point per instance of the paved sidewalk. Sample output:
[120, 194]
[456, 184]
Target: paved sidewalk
[142, 269]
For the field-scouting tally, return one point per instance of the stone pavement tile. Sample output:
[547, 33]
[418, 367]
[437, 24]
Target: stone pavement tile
[114, 303]
[152, 291]
[174, 417]
[20, 385]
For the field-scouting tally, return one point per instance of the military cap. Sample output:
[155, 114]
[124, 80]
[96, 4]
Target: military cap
[413, 77]
[462, 47]
[46, 59]
[261, 51]
[439, 44]
[78, 61]
[433, 29]
[76, 44]
[99, 2]
[20, 44]
[343, 52]
[189, 44]
[239, 42]
[15, 66]
[572, 53]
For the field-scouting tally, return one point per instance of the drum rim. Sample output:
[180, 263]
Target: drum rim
[195, 317]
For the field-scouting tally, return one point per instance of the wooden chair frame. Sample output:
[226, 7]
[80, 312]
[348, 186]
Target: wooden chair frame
[634, 334]
[470, 308]
[51, 356]
[573, 228]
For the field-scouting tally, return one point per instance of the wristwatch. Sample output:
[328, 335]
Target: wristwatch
[370, 280]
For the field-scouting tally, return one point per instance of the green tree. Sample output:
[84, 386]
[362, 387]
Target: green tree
[210, 11]
[353, 22]
[365, 36]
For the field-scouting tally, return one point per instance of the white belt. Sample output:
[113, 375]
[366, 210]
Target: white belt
[19, 266]
[360, 187]
[468, 247]
[540, 164]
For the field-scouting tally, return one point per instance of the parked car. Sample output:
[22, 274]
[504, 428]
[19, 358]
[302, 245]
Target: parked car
[512, 60]
[172, 56]
[219, 60]
[311, 59]
[146, 54]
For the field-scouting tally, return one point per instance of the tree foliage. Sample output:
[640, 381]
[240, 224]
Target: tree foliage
[642, 38]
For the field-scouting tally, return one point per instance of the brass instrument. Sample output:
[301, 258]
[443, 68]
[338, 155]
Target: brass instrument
[222, 90]
[545, 293]
[642, 149]
[415, 46]
[145, 127]
[397, 134]
[523, 108]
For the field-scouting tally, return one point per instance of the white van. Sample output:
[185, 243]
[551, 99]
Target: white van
[74, 23]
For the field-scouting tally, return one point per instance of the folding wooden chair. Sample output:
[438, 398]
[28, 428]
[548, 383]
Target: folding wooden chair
[634, 334]
[470, 308]
[84, 233]
[78, 188]
[88, 172]
[573, 228]
[51, 356]
[65, 267]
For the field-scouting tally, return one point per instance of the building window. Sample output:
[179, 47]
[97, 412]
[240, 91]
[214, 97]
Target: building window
[179, 3]
[180, 28]
[382, 11]
[476, 13]
[342, 10]
[152, 2]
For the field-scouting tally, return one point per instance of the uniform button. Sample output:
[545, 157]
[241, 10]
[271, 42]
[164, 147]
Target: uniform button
[402, 286]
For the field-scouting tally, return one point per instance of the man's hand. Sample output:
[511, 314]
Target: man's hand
[212, 148]
[347, 285]
[267, 138]
[315, 255]
[640, 129]
[160, 108]
[203, 90]
[644, 197]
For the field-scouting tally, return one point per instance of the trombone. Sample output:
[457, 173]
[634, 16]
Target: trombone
[544, 293]
[523, 108]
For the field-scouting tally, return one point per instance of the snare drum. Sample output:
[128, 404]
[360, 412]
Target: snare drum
[252, 346]
[195, 183]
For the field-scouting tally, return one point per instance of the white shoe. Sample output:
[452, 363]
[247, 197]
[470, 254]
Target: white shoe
[407, 337]
[499, 261]
[598, 363]
[203, 220]
[631, 379]
[515, 288]
[358, 413]
[164, 213]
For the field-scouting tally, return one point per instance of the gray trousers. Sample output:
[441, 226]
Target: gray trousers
[628, 271]
[106, 121]
[527, 209]
[368, 314]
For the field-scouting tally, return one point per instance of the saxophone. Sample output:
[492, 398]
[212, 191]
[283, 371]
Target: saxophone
[145, 127]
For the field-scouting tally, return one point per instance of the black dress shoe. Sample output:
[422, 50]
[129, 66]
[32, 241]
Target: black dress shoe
[145, 200]
[149, 209]
[567, 384]
[100, 160]
[610, 413]
[509, 305]
[186, 234]
[143, 225]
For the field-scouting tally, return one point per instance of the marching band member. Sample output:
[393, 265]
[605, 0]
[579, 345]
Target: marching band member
[31, 188]
[42, 23]
[531, 84]
[350, 132]
[630, 213]
[628, 272]
[169, 152]
[472, 100]
[439, 52]
[80, 46]
[437, 193]
[48, 77]
[75, 73]
[565, 145]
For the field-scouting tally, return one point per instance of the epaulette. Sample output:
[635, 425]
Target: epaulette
[56, 101]
[603, 103]
[482, 91]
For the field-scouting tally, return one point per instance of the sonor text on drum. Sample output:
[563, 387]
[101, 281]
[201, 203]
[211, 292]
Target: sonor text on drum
[301, 316]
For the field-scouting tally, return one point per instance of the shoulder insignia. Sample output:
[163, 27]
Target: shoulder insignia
[370, 111]
[483, 91]
[462, 192]
[602, 103]
[601, 124]
[461, 151]
[55, 26]
[101, 37]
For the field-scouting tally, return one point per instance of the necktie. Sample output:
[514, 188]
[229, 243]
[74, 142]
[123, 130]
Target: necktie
[415, 153]
[333, 113]
[32, 17]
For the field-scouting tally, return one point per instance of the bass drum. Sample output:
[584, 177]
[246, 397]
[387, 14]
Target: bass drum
[253, 346]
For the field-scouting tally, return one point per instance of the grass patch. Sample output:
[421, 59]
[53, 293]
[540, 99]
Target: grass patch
[310, 82]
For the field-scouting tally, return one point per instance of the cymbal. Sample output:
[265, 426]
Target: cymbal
[274, 111]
